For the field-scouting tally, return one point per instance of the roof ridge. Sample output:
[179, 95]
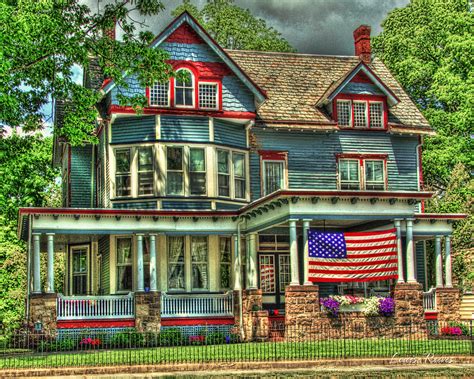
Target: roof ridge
[295, 54]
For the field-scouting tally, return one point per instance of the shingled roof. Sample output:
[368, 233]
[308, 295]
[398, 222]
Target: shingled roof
[294, 83]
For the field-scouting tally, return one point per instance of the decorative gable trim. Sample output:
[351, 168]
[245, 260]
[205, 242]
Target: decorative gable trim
[185, 17]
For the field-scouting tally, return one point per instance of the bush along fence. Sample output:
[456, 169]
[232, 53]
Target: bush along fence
[172, 345]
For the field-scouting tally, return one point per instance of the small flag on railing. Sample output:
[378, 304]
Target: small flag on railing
[352, 257]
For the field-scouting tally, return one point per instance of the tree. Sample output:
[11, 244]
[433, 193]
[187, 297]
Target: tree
[429, 46]
[28, 180]
[42, 41]
[234, 27]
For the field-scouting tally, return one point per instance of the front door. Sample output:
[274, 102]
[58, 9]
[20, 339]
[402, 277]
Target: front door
[274, 269]
[79, 273]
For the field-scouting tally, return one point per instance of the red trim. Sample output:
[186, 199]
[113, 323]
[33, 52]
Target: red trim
[329, 280]
[367, 99]
[361, 77]
[433, 216]
[69, 160]
[273, 155]
[82, 324]
[184, 34]
[361, 156]
[197, 321]
[431, 315]
[117, 109]
[208, 70]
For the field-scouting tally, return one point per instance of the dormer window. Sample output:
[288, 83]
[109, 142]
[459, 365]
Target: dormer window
[159, 94]
[184, 90]
[208, 95]
[362, 112]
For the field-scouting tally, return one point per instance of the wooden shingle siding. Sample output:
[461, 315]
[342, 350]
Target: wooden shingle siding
[104, 250]
[133, 88]
[420, 263]
[192, 129]
[187, 51]
[81, 176]
[236, 96]
[134, 129]
[229, 133]
[312, 157]
[362, 88]
[180, 205]
[136, 205]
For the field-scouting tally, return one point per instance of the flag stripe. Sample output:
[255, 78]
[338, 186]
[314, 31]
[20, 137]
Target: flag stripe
[358, 271]
[370, 240]
[374, 233]
[385, 254]
[376, 247]
[365, 279]
[349, 264]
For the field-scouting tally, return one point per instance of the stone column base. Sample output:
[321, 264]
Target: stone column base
[448, 303]
[43, 310]
[252, 315]
[148, 311]
[409, 304]
[301, 309]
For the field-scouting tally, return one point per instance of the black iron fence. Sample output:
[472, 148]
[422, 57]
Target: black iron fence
[335, 339]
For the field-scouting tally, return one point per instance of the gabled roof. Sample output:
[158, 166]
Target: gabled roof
[185, 17]
[296, 83]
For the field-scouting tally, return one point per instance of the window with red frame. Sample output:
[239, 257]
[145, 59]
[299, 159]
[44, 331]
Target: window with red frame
[357, 173]
[360, 113]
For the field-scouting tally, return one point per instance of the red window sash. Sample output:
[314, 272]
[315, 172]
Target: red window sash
[363, 98]
[361, 158]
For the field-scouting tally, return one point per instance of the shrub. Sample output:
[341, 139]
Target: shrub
[128, 339]
[57, 345]
[464, 328]
[216, 338]
[171, 337]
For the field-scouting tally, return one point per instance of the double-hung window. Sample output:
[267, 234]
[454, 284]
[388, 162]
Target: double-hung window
[208, 95]
[374, 174]
[223, 173]
[225, 262]
[176, 273]
[349, 174]
[197, 171]
[273, 176]
[123, 174]
[174, 170]
[145, 170]
[199, 263]
[159, 94]
[238, 160]
[184, 89]
[124, 264]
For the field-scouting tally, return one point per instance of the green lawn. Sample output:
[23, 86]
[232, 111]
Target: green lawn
[265, 351]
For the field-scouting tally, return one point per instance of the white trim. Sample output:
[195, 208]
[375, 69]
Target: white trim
[70, 268]
[263, 161]
[168, 96]
[212, 83]
[193, 81]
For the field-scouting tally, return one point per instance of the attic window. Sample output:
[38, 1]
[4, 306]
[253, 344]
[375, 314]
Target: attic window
[208, 95]
[159, 94]
[344, 114]
[362, 112]
[184, 90]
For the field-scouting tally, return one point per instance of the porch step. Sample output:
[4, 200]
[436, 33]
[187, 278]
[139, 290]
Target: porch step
[467, 307]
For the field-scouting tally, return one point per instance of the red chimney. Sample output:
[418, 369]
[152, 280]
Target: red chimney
[110, 32]
[362, 43]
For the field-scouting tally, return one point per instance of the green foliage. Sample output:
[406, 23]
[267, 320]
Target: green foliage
[215, 338]
[42, 41]
[234, 27]
[171, 337]
[128, 339]
[464, 327]
[57, 345]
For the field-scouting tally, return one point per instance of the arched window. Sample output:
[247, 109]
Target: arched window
[184, 90]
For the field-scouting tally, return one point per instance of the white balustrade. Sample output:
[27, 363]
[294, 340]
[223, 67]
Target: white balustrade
[197, 305]
[429, 300]
[95, 307]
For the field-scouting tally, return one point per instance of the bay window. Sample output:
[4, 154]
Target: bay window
[184, 89]
[225, 261]
[223, 173]
[273, 176]
[361, 172]
[197, 171]
[124, 264]
[145, 170]
[199, 263]
[360, 111]
[349, 177]
[123, 175]
[239, 175]
[176, 274]
[174, 171]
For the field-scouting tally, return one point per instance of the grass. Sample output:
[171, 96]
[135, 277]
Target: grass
[263, 351]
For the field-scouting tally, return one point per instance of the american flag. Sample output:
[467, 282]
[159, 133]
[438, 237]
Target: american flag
[352, 257]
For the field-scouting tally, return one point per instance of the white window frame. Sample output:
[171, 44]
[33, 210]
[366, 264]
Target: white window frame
[359, 173]
[183, 169]
[216, 85]
[71, 268]
[167, 92]
[131, 264]
[191, 263]
[264, 176]
[152, 170]
[189, 172]
[228, 264]
[193, 82]
[382, 115]
[384, 178]
[230, 163]
[130, 172]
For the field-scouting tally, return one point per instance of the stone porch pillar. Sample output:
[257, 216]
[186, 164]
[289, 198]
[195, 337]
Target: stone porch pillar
[50, 276]
[252, 261]
[295, 279]
[306, 253]
[448, 264]
[140, 273]
[409, 305]
[36, 264]
[410, 252]
[438, 262]
[153, 280]
[401, 277]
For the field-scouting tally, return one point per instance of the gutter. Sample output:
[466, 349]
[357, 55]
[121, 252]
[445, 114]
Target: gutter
[28, 269]
[239, 261]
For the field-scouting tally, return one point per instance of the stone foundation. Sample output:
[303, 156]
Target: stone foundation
[147, 311]
[43, 309]
[254, 319]
[448, 303]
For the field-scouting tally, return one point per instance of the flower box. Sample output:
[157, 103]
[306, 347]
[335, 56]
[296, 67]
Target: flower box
[352, 308]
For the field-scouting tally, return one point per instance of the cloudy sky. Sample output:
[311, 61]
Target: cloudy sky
[311, 26]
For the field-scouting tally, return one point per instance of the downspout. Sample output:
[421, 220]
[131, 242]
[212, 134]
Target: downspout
[239, 264]
[419, 173]
[28, 269]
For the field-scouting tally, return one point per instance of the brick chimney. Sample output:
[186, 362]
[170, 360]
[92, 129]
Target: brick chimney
[110, 32]
[362, 43]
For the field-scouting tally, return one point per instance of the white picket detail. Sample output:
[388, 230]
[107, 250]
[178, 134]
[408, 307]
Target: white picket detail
[429, 300]
[95, 307]
[197, 305]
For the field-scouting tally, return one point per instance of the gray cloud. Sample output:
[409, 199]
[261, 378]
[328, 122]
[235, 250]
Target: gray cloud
[311, 26]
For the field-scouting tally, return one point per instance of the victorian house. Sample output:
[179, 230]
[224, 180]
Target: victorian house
[197, 211]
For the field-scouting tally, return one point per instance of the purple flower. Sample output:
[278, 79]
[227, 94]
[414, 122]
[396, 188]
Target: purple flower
[331, 305]
[386, 306]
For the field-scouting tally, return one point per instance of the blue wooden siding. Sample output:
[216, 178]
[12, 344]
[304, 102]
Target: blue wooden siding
[227, 206]
[185, 205]
[230, 133]
[134, 129]
[136, 205]
[420, 263]
[190, 52]
[81, 177]
[362, 88]
[104, 250]
[312, 157]
[236, 96]
[195, 129]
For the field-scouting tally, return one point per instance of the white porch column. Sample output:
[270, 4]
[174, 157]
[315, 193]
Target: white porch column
[36, 263]
[50, 277]
[410, 253]
[447, 265]
[401, 277]
[140, 276]
[438, 262]
[306, 252]
[295, 279]
[237, 265]
[252, 260]
[153, 281]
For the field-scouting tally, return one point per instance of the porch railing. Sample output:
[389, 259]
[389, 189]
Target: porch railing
[202, 305]
[95, 307]
[429, 300]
